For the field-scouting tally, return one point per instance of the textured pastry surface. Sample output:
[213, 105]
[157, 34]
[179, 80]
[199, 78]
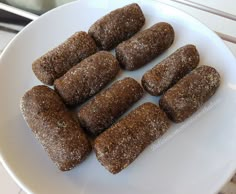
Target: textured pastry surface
[121, 144]
[189, 94]
[87, 78]
[52, 124]
[145, 46]
[165, 74]
[117, 26]
[103, 110]
[59, 60]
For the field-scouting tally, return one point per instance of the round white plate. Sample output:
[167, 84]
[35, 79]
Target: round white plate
[196, 156]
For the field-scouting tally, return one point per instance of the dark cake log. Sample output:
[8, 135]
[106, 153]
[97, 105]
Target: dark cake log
[87, 78]
[59, 60]
[170, 70]
[145, 46]
[103, 110]
[117, 26]
[52, 124]
[188, 95]
[121, 144]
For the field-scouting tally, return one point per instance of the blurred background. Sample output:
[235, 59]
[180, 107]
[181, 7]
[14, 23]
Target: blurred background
[35, 6]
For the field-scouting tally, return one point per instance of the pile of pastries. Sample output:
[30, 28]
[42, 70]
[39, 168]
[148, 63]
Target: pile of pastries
[82, 66]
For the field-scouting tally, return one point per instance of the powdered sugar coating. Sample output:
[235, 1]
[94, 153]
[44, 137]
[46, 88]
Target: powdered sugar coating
[59, 60]
[103, 110]
[87, 78]
[117, 26]
[145, 46]
[165, 74]
[121, 144]
[188, 95]
[53, 125]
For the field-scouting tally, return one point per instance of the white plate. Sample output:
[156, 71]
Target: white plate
[196, 156]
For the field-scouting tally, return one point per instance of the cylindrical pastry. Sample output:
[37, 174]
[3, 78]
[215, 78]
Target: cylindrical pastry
[117, 26]
[165, 74]
[59, 60]
[145, 46]
[188, 95]
[107, 106]
[87, 78]
[60, 135]
[119, 145]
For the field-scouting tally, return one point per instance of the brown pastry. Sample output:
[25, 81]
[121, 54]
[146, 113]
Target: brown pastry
[165, 74]
[87, 78]
[145, 46]
[121, 144]
[117, 26]
[53, 125]
[59, 60]
[188, 95]
[107, 106]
